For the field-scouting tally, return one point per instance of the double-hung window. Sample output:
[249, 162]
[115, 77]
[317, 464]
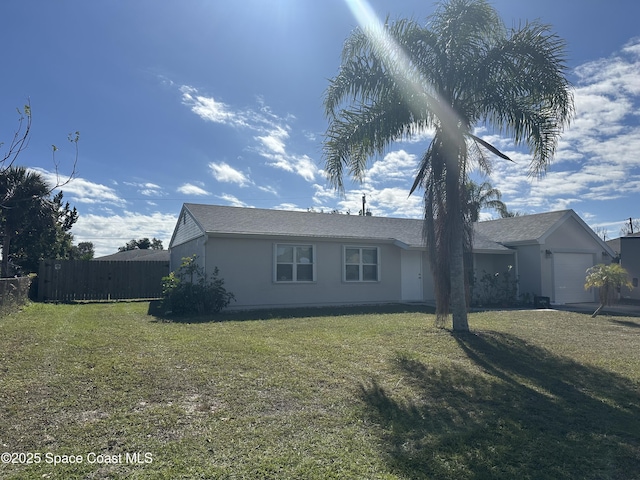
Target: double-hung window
[295, 263]
[361, 264]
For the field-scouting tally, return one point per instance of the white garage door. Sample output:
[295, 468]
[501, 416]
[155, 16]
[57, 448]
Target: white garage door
[569, 272]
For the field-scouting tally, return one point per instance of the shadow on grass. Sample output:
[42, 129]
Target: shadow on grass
[524, 413]
[156, 310]
[626, 323]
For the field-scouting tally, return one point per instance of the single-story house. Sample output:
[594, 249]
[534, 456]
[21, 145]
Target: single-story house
[271, 258]
[553, 251]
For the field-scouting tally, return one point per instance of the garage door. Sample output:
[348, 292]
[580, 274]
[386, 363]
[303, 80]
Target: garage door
[569, 272]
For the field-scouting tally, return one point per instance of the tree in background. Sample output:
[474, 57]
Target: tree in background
[25, 206]
[33, 225]
[48, 237]
[156, 244]
[600, 232]
[481, 196]
[24, 203]
[609, 279]
[630, 227]
[82, 251]
[142, 244]
[511, 214]
[464, 69]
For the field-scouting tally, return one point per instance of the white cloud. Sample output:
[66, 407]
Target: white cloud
[80, 190]
[269, 189]
[223, 172]
[108, 232]
[272, 147]
[395, 202]
[597, 157]
[272, 132]
[209, 109]
[273, 141]
[398, 165]
[147, 189]
[302, 165]
[190, 189]
[233, 200]
[289, 207]
[324, 196]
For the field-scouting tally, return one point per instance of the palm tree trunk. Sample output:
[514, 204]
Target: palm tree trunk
[595, 314]
[456, 155]
[458, 297]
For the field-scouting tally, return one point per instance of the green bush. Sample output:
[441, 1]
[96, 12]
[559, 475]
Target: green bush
[188, 291]
[495, 289]
[14, 293]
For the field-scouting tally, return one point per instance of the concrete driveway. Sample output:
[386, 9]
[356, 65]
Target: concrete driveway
[621, 309]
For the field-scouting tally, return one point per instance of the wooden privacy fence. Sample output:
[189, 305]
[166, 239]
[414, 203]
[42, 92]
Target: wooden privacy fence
[71, 280]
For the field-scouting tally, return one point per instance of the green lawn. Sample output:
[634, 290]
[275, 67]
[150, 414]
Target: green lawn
[325, 394]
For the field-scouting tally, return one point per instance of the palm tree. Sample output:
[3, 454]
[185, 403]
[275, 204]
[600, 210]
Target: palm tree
[462, 70]
[483, 195]
[609, 279]
[24, 199]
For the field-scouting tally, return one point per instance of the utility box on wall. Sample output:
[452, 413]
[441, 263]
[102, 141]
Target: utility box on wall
[541, 302]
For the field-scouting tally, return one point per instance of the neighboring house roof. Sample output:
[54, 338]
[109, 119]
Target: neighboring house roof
[614, 245]
[145, 255]
[615, 242]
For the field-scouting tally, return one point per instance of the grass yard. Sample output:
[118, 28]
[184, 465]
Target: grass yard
[326, 394]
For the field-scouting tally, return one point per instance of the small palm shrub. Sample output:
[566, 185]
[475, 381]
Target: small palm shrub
[608, 279]
[187, 291]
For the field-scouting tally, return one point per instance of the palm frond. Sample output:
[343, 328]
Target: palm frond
[489, 147]
[527, 95]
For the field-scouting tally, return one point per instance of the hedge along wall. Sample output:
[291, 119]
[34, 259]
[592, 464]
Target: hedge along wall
[14, 292]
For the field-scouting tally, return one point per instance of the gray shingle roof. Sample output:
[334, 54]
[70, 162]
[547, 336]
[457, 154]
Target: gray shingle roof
[257, 221]
[216, 219]
[526, 228]
[490, 235]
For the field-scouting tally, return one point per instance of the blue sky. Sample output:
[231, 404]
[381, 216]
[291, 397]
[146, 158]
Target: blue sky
[221, 102]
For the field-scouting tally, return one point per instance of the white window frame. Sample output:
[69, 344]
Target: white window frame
[294, 263]
[361, 264]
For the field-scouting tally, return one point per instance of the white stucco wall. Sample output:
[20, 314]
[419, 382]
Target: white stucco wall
[247, 266]
[194, 246]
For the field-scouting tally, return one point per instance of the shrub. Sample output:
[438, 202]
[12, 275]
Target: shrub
[14, 292]
[497, 289]
[608, 279]
[188, 291]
